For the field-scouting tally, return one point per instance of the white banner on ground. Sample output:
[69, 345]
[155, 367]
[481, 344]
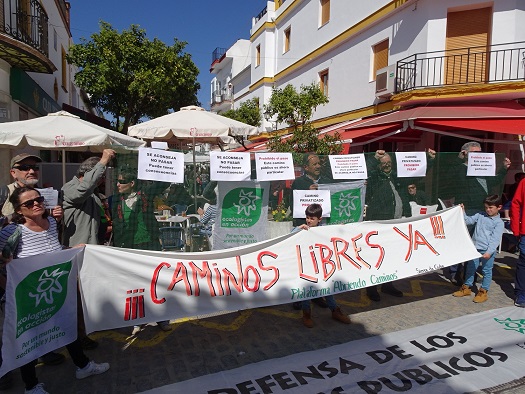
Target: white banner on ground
[40, 308]
[124, 287]
[242, 214]
[473, 353]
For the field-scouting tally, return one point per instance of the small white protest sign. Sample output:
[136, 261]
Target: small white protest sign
[481, 164]
[348, 166]
[303, 198]
[411, 164]
[157, 165]
[51, 197]
[274, 166]
[230, 166]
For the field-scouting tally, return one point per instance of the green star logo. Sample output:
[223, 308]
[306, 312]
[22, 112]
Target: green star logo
[346, 206]
[513, 325]
[241, 207]
[40, 295]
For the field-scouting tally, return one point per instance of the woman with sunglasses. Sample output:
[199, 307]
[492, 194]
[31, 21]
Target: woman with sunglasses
[39, 234]
[134, 222]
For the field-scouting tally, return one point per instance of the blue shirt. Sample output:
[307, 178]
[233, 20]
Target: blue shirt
[487, 233]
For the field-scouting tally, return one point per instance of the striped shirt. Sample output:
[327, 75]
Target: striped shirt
[32, 242]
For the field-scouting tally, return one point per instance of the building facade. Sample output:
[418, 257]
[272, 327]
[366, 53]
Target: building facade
[35, 78]
[375, 57]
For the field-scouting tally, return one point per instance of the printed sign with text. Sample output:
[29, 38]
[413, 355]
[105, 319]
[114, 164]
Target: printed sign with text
[410, 164]
[230, 166]
[481, 164]
[159, 165]
[274, 166]
[348, 166]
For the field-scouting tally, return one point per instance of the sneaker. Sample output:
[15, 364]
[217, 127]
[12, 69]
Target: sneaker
[320, 302]
[338, 315]
[520, 301]
[88, 344]
[38, 389]
[164, 325]
[136, 330]
[91, 369]
[53, 358]
[481, 296]
[463, 291]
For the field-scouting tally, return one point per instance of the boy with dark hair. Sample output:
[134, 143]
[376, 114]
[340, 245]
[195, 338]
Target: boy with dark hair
[314, 216]
[486, 237]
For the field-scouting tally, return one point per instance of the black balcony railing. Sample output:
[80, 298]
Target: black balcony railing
[261, 14]
[495, 63]
[27, 21]
[218, 53]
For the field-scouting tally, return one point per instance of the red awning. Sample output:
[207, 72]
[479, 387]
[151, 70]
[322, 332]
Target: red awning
[501, 117]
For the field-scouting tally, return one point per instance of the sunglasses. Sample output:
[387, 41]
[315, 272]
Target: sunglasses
[31, 203]
[27, 167]
[123, 181]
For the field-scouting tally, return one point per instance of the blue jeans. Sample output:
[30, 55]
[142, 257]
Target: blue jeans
[330, 300]
[519, 281]
[486, 270]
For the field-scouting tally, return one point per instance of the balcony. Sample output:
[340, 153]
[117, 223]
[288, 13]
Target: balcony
[24, 39]
[475, 65]
[217, 54]
[261, 14]
[221, 96]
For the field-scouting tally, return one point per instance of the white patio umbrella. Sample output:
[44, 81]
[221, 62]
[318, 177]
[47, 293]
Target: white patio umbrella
[63, 131]
[191, 124]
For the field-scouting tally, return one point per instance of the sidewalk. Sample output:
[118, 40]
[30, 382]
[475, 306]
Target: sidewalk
[193, 348]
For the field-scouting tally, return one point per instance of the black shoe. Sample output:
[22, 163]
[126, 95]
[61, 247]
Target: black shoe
[297, 305]
[320, 302]
[53, 358]
[6, 381]
[88, 344]
[390, 289]
[373, 294]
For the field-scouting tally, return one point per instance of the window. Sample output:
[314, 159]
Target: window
[287, 37]
[380, 57]
[258, 55]
[325, 11]
[323, 84]
[64, 70]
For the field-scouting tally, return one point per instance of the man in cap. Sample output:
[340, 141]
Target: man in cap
[25, 172]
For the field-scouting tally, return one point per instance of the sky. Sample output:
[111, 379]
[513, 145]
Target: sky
[203, 24]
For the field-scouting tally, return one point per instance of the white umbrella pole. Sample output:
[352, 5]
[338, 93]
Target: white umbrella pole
[194, 176]
[63, 166]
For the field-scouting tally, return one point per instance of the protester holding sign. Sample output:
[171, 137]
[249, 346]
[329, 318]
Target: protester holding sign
[33, 232]
[314, 216]
[385, 199]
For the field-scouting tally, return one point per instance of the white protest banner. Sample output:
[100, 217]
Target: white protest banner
[411, 164]
[274, 166]
[41, 305]
[154, 286]
[242, 214]
[303, 198]
[51, 197]
[347, 200]
[230, 166]
[348, 166]
[481, 164]
[159, 165]
[478, 353]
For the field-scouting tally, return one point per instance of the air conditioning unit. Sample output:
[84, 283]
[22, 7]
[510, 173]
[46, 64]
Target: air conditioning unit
[386, 81]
